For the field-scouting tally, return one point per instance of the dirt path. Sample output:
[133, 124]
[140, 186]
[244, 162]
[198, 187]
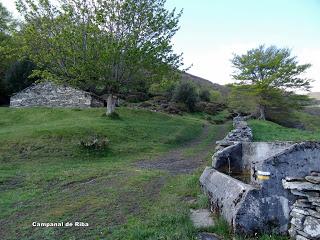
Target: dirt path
[177, 162]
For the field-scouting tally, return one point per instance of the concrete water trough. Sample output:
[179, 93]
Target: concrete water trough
[244, 184]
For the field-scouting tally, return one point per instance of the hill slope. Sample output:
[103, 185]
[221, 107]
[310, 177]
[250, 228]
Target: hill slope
[205, 83]
[269, 131]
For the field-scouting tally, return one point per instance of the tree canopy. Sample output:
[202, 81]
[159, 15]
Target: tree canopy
[113, 45]
[272, 73]
[6, 20]
[7, 50]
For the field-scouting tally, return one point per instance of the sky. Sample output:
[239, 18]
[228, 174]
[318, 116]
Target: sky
[213, 30]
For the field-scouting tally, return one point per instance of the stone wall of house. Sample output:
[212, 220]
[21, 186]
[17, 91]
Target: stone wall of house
[305, 212]
[48, 94]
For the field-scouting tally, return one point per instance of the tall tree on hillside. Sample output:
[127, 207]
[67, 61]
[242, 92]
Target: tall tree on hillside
[272, 73]
[111, 44]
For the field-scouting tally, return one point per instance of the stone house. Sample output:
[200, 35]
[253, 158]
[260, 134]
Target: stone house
[48, 94]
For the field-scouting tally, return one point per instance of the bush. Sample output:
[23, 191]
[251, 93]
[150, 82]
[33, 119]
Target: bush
[204, 95]
[216, 96]
[165, 88]
[95, 142]
[209, 108]
[186, 93]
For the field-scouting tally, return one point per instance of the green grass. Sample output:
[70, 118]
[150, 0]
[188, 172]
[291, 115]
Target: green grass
[269, 131]
[45, 176]
[220, 117]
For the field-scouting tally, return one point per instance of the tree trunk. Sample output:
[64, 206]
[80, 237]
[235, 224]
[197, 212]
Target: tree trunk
[111, 104]
[262, 113]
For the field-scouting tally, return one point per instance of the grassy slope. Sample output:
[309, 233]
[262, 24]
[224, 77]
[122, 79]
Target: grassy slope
[269, 131]
[45, 176]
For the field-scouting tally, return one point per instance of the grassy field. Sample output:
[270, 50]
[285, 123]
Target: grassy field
[45, 176]
[269, 131]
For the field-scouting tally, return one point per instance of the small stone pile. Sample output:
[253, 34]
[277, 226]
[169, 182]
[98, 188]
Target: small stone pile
[305, 212]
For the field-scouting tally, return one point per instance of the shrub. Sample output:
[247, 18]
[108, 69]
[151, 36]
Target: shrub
[165, 88]
[204, 95]
[186, 93]
[216, 96]
[94, 142]
[209, 108]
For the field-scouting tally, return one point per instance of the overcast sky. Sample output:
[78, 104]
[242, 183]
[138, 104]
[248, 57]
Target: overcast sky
[211, 30]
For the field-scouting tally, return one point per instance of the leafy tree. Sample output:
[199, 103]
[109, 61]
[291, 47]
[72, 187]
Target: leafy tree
[115, 45]
[7, 49]
[17, 76]
[6, 20]
[186, 93]
[165, 87]
[241, 99]
[285, 107]
[272, 72]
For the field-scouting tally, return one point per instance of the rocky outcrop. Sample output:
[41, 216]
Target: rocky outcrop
[305, 212]
[48, 94]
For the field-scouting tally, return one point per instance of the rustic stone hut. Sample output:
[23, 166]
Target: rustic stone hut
[48, 94]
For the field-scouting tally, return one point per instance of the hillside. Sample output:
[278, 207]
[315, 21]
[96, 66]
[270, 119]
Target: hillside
[269, 131]
[205, 83]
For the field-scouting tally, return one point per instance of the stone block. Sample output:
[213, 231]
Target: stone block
[311, 226]
[297, 222]
[300, 186]
[299, 237]
[201, 218]
[313, 179]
